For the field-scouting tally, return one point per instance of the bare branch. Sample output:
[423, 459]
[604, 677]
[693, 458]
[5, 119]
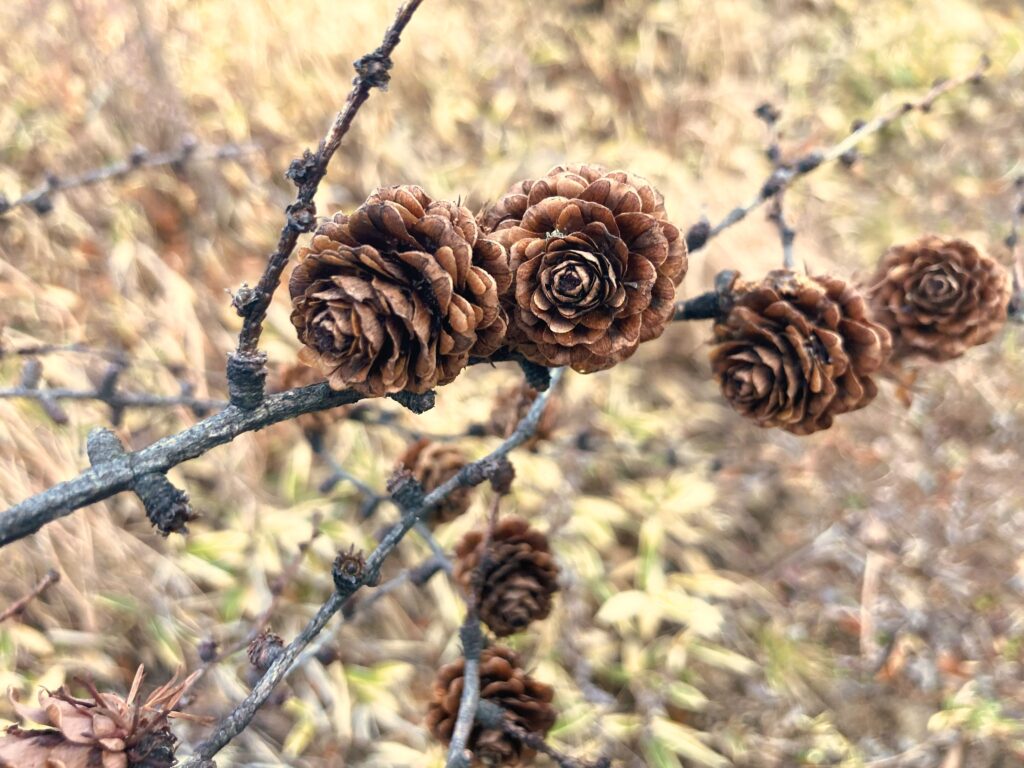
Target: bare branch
[459, 755]
[116, 400]
[246, 371]
[19, 605]
[40, 199]
[1013, 242]
[781, 178]
[119, 474]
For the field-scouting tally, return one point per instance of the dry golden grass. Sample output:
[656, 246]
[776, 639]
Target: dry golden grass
[715, 603]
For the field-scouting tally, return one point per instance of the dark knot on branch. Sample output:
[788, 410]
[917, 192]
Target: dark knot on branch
[373, 70]
[537, 376]
[166, 507]
[247, 374]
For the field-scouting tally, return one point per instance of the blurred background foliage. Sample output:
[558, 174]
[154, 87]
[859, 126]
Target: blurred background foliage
[731, 596]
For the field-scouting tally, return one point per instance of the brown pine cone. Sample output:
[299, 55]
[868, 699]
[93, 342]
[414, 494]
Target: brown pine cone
[510, 406]
[527, 704]
[938, 297]
[104, 730]
[398, 295]
[595, 265]
[519, 575]
[794, 351]
[431, 464]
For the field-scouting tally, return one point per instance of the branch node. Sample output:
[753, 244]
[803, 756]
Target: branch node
[102, 446]
[406, 490]
[502, 475]
[138, 156]
[417, 403]
[698, 235]
[303, 170]
[373, 70]
[537, 376]
[809, 162]
[247, 374]
[348, 570]
[301, 216]
[167, 507]
[243, 299]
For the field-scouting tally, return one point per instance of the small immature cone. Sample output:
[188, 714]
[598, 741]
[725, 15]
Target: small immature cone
[518, 575]
[526, 702]
[794, 351]
[595, 263]
[397, 296]
[431, 464]
[938, 297]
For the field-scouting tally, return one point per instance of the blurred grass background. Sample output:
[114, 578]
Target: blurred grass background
[732, 596]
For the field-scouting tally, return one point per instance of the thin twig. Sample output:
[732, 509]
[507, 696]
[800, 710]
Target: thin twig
[459, 755]
[473, 473]
[1013, 242]
[40, 199]
[116, 400]
[781, 178]
[769, 115]
[19, 605]
[246, 366]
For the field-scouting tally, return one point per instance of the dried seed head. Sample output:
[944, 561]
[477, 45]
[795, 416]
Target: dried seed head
[349, 568]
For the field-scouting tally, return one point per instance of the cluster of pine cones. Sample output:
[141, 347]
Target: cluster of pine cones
[512, 575]
[581, 266]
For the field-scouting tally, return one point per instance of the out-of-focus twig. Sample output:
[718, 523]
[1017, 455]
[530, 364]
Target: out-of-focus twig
[781, 178]
[19, 605]
[117, 401]
[246, 365]
[769, 115]
[40, 199]
[1013, 242]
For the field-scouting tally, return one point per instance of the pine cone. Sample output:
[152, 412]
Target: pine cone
[398, 295]
[527, 703]
[510, 406]
[431, 464]
[938, 297]
[519, 574]
[103, 731]
[794, 351]
[595, 265]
